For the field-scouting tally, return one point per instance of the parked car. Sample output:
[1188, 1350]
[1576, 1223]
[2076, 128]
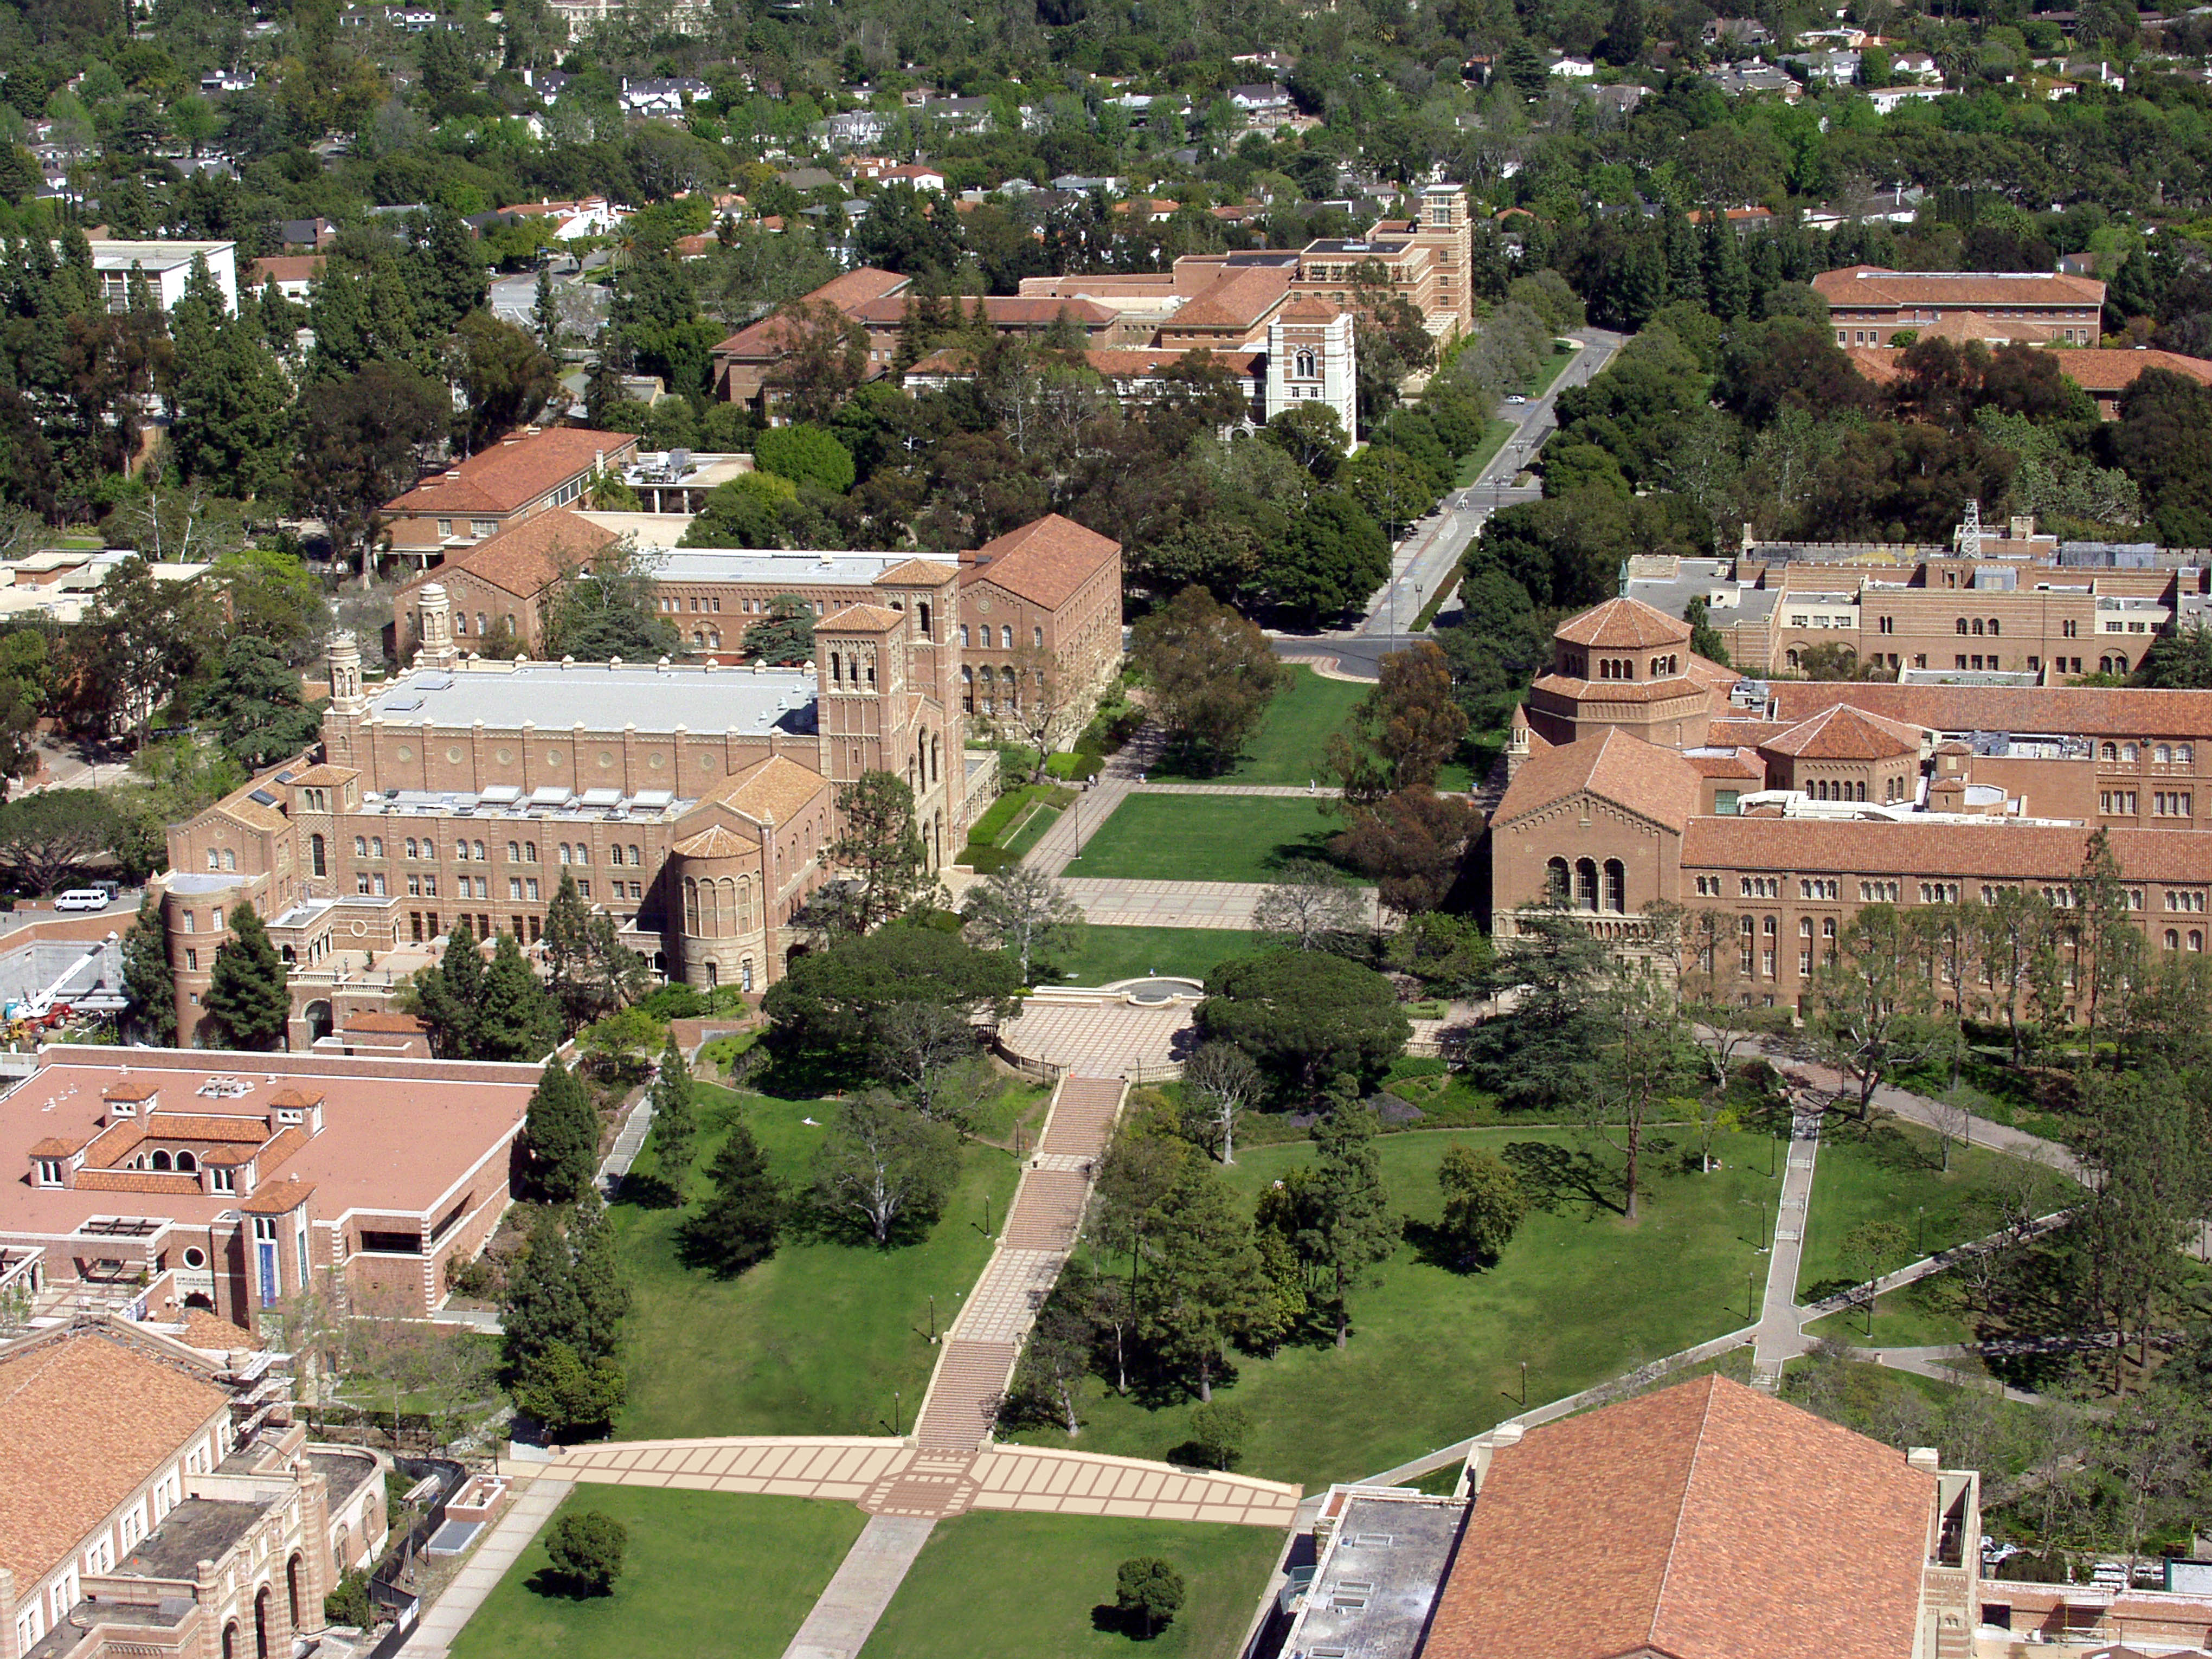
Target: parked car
[1517, 398]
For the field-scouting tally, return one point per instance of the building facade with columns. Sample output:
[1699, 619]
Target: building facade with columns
[1770, 812]
[694, 803]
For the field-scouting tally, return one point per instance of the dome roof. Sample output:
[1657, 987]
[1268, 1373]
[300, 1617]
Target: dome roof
[1624, 625]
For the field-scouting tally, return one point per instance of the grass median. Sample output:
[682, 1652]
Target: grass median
[1244, 838]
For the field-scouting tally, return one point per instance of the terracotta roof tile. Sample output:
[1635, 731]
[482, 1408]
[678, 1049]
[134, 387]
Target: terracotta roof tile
[854, 287]
[137, 1181]
[1846, 734]
[278, 1197]
[1240, 298]
[1655, 783]
[778, 789]
[526, 558]
[1046, 562]
[1990, 851]
[54, 1147]
[1735, 763]
[204, 1330]
[512, 473]
[130, 1091]
[300, 1099]
[404, 1024]
[1701, 1522]
[913, 572]
[715, 842]
[1624, 625]
[2086, 710]
[1872, 285]
[862, 619]
[84, 1421]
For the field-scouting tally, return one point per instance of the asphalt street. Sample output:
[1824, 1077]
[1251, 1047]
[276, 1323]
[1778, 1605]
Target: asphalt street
[1430, 552]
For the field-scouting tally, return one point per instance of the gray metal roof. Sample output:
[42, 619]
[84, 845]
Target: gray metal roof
[557, 697]
[792, 567]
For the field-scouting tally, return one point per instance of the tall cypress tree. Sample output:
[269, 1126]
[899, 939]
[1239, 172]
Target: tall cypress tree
[599, 1290]
[146, 976]
[561, 1133]
[1351, 1226]
[741, 1222]
[541, 1306]
[674, 1124]
[450, 996]
[248, 995]
[515, 1017]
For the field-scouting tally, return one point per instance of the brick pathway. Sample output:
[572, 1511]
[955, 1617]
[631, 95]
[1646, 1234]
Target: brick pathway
[886, 1476]
[1095, 1037]
[863, 1587]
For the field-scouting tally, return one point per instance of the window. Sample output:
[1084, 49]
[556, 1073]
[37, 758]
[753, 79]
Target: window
[514, 852]
[2119, 802]
[481, 528]
[376, 846]
[191, 959]
[2170, 804]
[532, 885]
[513, 888]
[216, 922]
[964, 636]
[1007, 637]
[1038, 637]
[530, 852]
[2070, 630]
[361, 847]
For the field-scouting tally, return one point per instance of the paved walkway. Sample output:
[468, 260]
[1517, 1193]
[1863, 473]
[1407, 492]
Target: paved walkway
[535, 1497]
[864, 1582]
[1099, 1036]
[1780, 1335]
[1316, 790]
[981, 1350]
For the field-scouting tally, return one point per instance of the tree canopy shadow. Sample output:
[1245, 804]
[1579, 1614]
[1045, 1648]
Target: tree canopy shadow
[559, 1587]
[648, 1192]
[1555, 1177]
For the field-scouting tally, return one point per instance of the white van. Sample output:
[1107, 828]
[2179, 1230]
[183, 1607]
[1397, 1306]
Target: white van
[82, 898]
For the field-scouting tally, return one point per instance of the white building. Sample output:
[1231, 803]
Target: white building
[167, 265]
[1310, 360]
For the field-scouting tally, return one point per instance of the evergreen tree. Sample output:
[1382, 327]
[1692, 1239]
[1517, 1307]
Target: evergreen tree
[674, 1125]
[600, 1293]
[147, 980]
[1209, 1288]
[561, 1317]
[515, 1017]
[740, 1223]
[561, 1134]
[541, 1306]
[1350, 1226]
[448, 278]
[567, 944]
[448, 996]
[545, 312]
[248, 997]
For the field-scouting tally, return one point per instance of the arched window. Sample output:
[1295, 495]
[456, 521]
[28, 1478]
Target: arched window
[836, 669]
[1555, 881]
[161, 1161]
[1616, 886]
[2119, 662]
[922, 607]
[230, 858]
[187, 1162]
[261, 1623]
[2196, 940]
[564, 852]
[530, 852]
[1585, 883]
[2110, 750]
[691, 907]
[2162, 755]
[1962, 625]
[964, 636]
[292, 1588]
[317, 855]
[635, 858]
[2184, 754]
[514, 852]
[2173, 939]
[1995, 627]
[1007, 637]
[1978, 625]
[361, 847]
[1793, 659]
[2129, 752]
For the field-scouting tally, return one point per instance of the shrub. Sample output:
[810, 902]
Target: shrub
[475, 1278]
[805, 454]
[586, 1550]
[1217, 1434]
[348, 1603]
[676, 1000]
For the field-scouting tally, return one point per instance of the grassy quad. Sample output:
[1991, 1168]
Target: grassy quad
[1246, 838]
[1894, 1173]
[707, 1575]
[1287, 745]
[977, 1592]
[1436, 1355]
[1100, 956]
[812, 1341]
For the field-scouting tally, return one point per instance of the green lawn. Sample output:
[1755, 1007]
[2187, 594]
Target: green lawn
[1436, 1355]
[1287, 745]
[1894, 1174]
[1495, 432]
[1904, 1319]
[1104, 955]
[1207, 837]
[998, 1586]
[706, 1576]
[811, 1341]
[1556, 366]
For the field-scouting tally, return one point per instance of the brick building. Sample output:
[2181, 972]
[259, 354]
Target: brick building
[1637, 772]
[137, 1520]
[1707, 1520]
[692, 802]
[1051, 586]
[169, 1180]
[1868, 304]
[524, 474]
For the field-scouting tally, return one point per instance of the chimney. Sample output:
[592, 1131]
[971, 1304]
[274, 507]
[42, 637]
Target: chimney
[1924, 1459]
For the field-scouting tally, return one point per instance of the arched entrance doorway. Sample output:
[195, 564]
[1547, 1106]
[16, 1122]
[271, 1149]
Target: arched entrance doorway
[320, 1023]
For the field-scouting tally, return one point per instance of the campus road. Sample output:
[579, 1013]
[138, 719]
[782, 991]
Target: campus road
[1431, 552]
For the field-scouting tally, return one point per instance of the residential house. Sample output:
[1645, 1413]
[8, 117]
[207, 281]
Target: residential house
[525, 473]
[1888, 99]
[295, 273]
[167, 267]
[570, 221]
[663, 99]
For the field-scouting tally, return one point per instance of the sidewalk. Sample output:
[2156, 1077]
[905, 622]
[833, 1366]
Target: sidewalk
[1779, 1336]
[863, 1587]
[535, 1499]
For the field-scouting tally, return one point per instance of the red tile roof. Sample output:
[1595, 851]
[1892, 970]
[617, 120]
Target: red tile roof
[1874, 285]
[279, 1196]
[1624, 625]
[513, 473]
[404, 1024]
[1655, 783]
[84, 1421]
[1701, 1522]
[286, 268]
[528, 558]
[2086, 710]
[1990, 851]
[1846, 734]
[1241, 298]
[2100, 370]
[1046, 562]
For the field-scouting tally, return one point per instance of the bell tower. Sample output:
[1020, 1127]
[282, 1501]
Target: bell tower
[438, 650]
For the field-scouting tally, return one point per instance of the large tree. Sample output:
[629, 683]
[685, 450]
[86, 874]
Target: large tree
[611, 609]
[674, 1121]
[47, 838]
[1404, 730]
[1414, 844]
[824, 1011]
[878, 851]
[1333, 560]
[1207, 1289]
[256, 703]
[1023, 910]
[1872, 1006]
[515, 1016]
[146, 978]
[1350, 1227]
[883, 1166]
[1211, 675]
[785, 636]
[561, 1135]
[248, 995]
[589, 971]
[362, 442]
[740, 1223]
[1307, 1018]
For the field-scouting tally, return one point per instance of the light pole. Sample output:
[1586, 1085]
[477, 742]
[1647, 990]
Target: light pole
[895, 1413]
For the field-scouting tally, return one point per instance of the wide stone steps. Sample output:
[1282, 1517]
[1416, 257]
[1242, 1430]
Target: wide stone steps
[964, 1394]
